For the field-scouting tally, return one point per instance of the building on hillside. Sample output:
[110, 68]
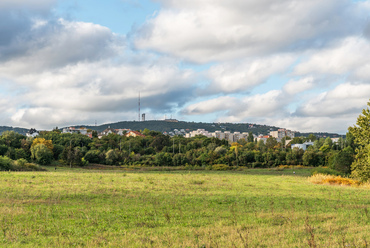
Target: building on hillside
[122, 131]
[281, 133]
[107, 131]
[219, 135]
[134, 134]
[227, 135]
[81, 130]
[198, 132]
[32, 133]
[303, 146]
[335, 140]
[263, 138]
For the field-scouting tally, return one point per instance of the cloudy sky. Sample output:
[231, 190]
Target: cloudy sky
[303, 65]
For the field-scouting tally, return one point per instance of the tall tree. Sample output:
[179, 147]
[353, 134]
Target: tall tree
[361, 133]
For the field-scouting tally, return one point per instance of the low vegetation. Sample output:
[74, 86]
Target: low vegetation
[251, 208]
[6, 164]
[338, 180]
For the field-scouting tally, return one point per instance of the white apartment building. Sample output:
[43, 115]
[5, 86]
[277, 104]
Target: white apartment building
[198, 132]
[227, 135]
[302, 146]
[81, 130]
[281, 133]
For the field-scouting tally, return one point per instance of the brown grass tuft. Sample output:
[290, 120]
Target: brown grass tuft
[336, 180]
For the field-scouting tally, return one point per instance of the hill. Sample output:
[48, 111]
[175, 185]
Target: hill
[15, 129]
[167, 126]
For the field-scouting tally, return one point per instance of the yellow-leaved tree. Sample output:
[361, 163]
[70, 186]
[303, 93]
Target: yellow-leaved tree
[47, 143]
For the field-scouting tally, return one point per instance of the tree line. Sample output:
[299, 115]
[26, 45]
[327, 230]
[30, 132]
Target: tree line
[156, 149]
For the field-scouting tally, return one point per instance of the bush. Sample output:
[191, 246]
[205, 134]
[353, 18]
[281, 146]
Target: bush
[6, 163]
[21, 162]
[94, 156]
[220, 167]
[19, 165]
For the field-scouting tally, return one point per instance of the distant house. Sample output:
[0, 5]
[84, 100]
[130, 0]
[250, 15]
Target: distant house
[107, 132]
[335, 140]
[32, 133]
[263, 138]
[81, 130]
[303, 146]
[134, 134]
[122, 131]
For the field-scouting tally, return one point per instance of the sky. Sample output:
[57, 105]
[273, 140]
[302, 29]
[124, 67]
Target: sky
[301, 65]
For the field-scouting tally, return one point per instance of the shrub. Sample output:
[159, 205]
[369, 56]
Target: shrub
[21, 162]
[220, 167]
[6, 163]
[19, 165]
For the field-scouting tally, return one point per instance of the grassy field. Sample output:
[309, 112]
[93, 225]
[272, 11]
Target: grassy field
[253, 208]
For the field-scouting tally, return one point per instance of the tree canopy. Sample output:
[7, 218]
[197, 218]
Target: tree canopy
[361, 134]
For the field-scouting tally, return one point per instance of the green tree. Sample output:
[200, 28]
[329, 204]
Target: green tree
[3, 149]
[328, 142]
[361, 133]
[112, 157]
[5, 163]
[296, 140]
[271, 143]
[343, 160]
[250, 137]
[41, 154]
[311, 137]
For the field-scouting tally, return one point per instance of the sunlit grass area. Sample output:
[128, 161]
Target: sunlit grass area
[252, 208]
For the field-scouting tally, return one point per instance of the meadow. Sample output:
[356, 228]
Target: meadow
[117, 208]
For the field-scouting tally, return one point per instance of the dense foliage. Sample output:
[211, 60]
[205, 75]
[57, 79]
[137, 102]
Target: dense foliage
[361, 136]
[156, 149]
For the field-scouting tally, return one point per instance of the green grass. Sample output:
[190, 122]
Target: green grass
[252, 208]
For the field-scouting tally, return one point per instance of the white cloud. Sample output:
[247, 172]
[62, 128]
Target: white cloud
[294, 87]
[242, 76]
[347, 56]
[103, 87]
[346, 100]
[204, 31]
[238, 109]
[314, 124]
[212, 105]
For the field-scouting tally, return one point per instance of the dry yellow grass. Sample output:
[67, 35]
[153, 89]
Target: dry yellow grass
[329, 179]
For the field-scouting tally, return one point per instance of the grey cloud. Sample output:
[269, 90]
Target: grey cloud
[32, 38]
